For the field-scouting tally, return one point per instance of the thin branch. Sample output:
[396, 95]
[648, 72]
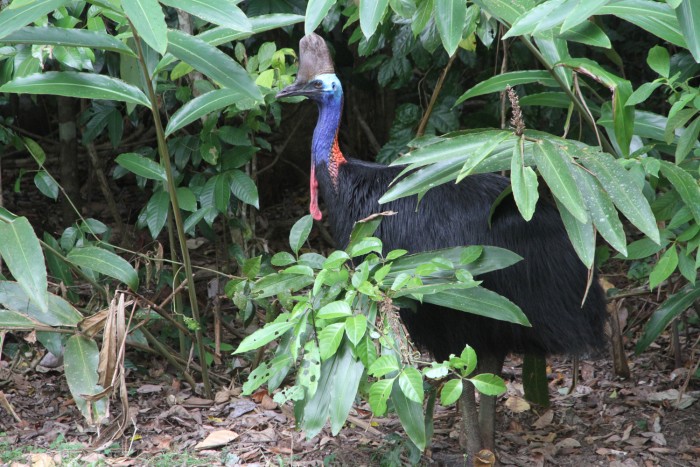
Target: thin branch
[179, 225]
[577, 103]
[433, 98]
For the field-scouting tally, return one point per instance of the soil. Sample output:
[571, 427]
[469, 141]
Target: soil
[605, 421]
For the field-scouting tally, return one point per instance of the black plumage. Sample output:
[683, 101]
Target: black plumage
[549, 284]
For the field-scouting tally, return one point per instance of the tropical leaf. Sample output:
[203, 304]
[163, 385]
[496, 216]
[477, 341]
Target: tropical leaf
[105, 262]
[149, 21]
[74, 84]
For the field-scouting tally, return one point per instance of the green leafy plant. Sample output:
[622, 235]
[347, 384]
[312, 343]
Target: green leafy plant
[347, 325]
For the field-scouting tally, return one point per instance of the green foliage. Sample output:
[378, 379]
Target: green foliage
[347, 324]
[122, 58]
[635, 153]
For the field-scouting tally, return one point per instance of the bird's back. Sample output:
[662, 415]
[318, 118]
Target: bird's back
[549, 284]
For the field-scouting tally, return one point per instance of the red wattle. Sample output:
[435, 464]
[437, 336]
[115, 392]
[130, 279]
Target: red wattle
[313, 204]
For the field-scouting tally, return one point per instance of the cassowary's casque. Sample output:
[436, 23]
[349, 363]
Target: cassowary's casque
[548, 285]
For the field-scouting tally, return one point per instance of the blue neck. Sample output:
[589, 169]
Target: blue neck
[330, 107]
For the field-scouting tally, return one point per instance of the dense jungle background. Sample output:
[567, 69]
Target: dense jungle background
[165, 297]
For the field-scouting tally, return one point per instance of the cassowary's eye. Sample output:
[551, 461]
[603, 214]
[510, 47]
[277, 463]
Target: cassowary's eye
[318, 84]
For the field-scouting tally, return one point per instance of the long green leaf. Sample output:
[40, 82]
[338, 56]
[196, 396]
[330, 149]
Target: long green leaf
[263, 336]
[346, 381]
[73, 84]
[17, 321]
[220, 35]
[506, 10]
[13, 17]
[688, 14]
[21, 251]
[316, 10]
[602, 210]
[555, 167]
[157, 212]
[371, 12]
[489, 384]
[243, 187]
[411, 415]
[669, 309]
[686, 186]
[105, 262]
[275, 284]
[201, 106]
[450, 16]
[148, 19]
[524, 182]
[587, 33]
[61, 313]
[656, 17]
[498, 83]
[490, 259]
[451, 391]
[583, 10]
[67, 38]
[341, 369]
[624, 192]
[581, 234]
[422, 180]
[141, 166]
[461, 148]
[527, 23]
[212, 62]
[687, 140]
[81, 358]
[411, 384]
[221, 12]
[480, 301]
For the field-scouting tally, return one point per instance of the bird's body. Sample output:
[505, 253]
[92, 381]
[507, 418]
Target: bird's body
[549, 284]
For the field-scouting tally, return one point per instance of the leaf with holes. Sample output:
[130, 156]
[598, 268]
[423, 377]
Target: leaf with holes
[263, 336]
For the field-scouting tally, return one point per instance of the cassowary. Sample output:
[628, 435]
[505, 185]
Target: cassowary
[549, 285]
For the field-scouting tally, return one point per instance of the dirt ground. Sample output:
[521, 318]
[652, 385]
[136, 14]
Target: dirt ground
[653, 418]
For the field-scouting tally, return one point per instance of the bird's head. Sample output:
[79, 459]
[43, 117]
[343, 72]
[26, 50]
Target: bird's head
[323, 88]
[316, 77]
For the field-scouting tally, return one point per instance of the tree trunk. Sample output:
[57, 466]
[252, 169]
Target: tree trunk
[68, 158]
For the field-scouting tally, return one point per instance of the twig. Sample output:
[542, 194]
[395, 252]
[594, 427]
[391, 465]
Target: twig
[579, 106]
[504, 68]
[175, 208]
[434, 96]
[104, 187]
[163, 350]
[365, 127]
[278, 152]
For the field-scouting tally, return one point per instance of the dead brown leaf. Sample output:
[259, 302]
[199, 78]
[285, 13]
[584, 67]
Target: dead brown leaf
[517, 404]
[216, 439]
[544, 420]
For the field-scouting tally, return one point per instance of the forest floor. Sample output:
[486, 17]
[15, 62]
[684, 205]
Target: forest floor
[652, 418]
[649, 419]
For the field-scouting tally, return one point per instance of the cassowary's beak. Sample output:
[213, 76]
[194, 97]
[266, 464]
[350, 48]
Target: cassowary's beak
[294, 89]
